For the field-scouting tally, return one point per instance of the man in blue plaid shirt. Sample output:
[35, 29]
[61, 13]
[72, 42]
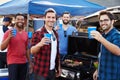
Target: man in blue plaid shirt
[109, 57]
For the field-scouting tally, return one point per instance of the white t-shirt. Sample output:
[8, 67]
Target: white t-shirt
[53, 51]
[1, 37]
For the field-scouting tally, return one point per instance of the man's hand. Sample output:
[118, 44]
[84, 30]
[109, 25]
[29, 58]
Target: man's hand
[96, 35]
[95, 75]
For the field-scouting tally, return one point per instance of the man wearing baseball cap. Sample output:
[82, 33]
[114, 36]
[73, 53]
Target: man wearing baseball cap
[3, 29]
[45, 50]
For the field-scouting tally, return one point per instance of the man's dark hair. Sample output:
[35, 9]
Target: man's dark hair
[19, 14]
[110, 15]
[66, 12]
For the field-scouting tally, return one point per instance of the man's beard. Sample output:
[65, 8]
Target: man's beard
[106, 28]
[20, 25]
[65, 22]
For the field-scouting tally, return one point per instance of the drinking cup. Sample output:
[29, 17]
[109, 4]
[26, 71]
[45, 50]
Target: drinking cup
[14, 32]
[89, 31]
[60, 24]
[47, 35]
[30, 35]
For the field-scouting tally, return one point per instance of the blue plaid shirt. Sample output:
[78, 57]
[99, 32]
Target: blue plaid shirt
[109, 64]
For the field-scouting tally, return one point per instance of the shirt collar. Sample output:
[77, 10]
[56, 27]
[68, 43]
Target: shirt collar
[110, 32]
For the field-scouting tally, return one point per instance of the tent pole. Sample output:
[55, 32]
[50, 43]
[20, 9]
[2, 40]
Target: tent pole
[27, 23]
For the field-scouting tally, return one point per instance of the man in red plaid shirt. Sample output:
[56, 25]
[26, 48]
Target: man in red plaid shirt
[45, 50]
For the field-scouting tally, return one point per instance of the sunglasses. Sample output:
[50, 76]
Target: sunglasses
[105, 20]
[65, 33]
[53, 37]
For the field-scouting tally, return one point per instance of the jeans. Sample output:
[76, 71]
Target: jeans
[51, 76]
[17, 71]
[3, 61]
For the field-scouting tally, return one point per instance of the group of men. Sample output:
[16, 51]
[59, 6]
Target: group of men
[47, 52]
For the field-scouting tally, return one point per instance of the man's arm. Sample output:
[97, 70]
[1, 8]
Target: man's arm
[5, 42]
[35, 49]
[110, 46]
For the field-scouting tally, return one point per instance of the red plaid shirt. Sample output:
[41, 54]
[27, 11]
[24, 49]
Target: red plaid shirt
[42, 59]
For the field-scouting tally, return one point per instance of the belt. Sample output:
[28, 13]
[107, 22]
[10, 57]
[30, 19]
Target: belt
[52, 70]
[3, 52]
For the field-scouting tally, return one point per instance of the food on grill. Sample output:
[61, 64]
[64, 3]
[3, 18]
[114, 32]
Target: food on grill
[72, 62]
[68, 61]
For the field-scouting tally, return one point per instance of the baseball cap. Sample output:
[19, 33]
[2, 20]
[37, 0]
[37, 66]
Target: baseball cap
[49, 10]
[7, 19]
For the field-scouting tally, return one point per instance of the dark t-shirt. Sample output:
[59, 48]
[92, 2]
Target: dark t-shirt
[5, 28]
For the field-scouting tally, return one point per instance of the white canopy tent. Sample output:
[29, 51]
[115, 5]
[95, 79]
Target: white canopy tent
[115, 10]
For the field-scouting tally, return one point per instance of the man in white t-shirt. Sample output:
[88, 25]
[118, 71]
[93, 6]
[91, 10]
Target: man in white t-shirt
[3, 29]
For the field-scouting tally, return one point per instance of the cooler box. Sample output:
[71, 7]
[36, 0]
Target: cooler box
[4, 74]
